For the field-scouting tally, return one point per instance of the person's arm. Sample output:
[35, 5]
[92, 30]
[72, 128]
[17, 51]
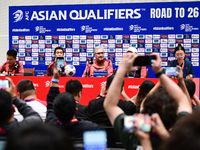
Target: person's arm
[196, 100]
[86, 71]
[182, 83]
[26, 111]
[110, 68]
[21, 70]
[172, 88]
[191, 73]
[114, 91]
[125, 96]
[143, 72]
[53, 92]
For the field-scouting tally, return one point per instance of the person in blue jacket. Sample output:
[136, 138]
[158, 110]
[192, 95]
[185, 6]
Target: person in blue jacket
[187, 67]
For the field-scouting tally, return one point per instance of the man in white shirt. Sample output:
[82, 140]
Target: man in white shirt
[27, 92]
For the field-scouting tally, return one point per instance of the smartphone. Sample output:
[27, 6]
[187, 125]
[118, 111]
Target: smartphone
[4, 83]
[143, 123]
[171, 71]
[144, 60]
[60, 63]
[95, 139]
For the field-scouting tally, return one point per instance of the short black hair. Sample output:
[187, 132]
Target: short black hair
[160, 102]
[58, 48]
[38, 137]
[109, 81]
[5, 106]
[191, 87]
[179, 47]
[64, 106]
[12, 52]
[73, 87]
[25, 85]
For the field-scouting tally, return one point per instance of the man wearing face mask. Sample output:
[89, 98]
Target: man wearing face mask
[99, 64]
[12, 67]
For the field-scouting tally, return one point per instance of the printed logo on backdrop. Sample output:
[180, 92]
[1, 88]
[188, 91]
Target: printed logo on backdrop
[188, 27]
[41, 29]
[136, 28]
[87, 29]
[18, 15]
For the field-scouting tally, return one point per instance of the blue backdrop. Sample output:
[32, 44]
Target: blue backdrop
[34, 31]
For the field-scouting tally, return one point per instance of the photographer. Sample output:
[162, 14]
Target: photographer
[167, 103]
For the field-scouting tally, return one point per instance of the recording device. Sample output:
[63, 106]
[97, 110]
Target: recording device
[90, 61]
[60, 63]
[4, 83]
[95, 139]
[16, 66]
[144, 60]
[171, 71]
[143, 123]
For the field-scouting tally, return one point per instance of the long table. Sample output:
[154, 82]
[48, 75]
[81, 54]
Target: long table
[91, 86]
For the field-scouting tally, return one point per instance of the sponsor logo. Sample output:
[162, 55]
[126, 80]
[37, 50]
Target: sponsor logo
[171, 58]
[163, 41]
[156, 36]
[195, 63]
[195, 49]
[179, 36]
[195, 59]
[82, 58]
[148, 45]
[136, 28]
[18, 15]
[87, 29]
[149, 36]
[195, 35]
[164, 64]
[118, 36]
[75, 58]
[163, 50]
[187, 40]
[195, 40]
[76, 63]
[195, 54]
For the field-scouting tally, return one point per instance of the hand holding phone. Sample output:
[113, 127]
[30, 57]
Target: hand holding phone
[144, 60]
[142, 122]
[60, 63]
[4, 83]
[171, 71]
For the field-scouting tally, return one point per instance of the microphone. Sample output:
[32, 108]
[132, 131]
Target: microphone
[16, 66]
[90, 61]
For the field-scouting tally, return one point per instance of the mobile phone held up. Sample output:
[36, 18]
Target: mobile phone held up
[4, 83]
[95, 139]
[143, 123]
[60, 63]
[144, 60]
[171, 71]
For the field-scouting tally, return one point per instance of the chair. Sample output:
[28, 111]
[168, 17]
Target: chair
[147, 73]
[29, 71]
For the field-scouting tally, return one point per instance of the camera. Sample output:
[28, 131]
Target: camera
[60, 63]
[4, 83]
[171, 71]
[144, 60]
[143, 123]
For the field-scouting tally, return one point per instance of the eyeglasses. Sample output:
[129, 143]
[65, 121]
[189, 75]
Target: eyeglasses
[100, 53]
[181, 55]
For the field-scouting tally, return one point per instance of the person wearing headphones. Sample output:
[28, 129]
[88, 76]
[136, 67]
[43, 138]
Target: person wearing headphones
[12, 67]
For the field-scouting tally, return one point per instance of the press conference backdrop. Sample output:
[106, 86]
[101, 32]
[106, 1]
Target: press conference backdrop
[34, 31]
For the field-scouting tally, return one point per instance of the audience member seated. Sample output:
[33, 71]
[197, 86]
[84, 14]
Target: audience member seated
[39, 137]
[27, 93]
[7, 121]
[12, 67]
[75, 87]
[61, 109]
[167, 103]
[95, 111]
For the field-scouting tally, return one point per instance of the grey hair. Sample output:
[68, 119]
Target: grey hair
[98, 47]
